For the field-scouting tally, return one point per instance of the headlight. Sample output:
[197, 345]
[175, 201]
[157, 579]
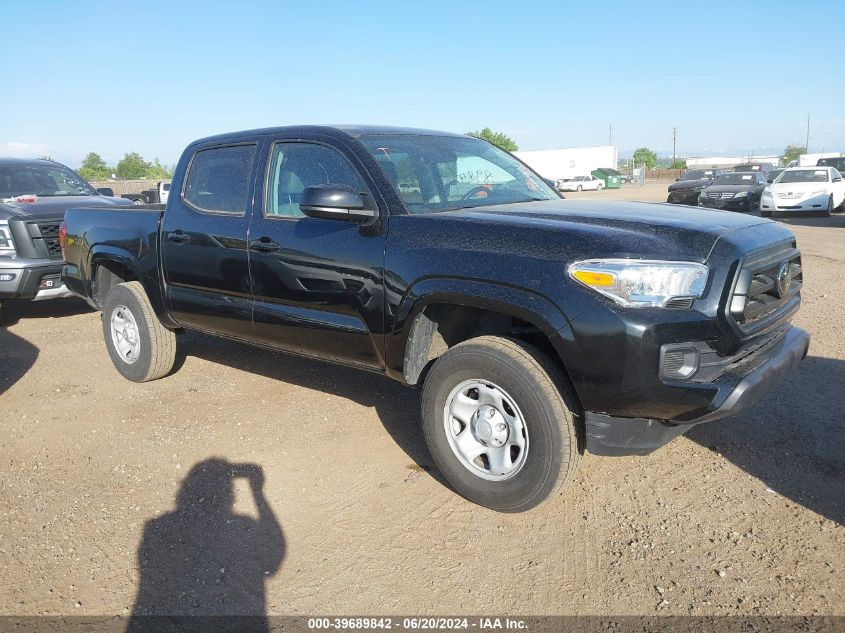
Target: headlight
[767, 193]
[740, 194]
[641, 283]
[7, 246]
[818, 193]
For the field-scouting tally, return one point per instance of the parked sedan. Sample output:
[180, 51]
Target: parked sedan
[581, 183]
[685, 189]
[734, 191]
[805, 189]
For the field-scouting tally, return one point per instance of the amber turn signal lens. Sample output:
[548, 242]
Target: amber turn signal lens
[594, 279]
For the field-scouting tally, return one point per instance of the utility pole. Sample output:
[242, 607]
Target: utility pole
[674, 143]
[807, 144]
[610, 135]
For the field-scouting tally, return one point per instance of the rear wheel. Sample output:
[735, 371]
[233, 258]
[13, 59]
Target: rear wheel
[578, 188]
[496, 423]
[140, 347]
[600, 187]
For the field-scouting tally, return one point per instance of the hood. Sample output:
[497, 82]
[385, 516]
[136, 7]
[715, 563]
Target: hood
[731, 188]
[614, 228]
[688, 184]
[799, 187]
[55, 206]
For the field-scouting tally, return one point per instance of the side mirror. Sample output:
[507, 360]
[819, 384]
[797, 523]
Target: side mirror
[335, 202]
[677, 179]
[105, 191]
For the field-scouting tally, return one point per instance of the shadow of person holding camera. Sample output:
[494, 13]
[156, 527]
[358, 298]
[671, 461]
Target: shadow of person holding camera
[204, 567]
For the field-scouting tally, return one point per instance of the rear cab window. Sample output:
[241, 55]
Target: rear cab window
[218, 179]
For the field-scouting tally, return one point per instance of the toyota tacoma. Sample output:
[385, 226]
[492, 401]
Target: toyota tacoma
[536, 327]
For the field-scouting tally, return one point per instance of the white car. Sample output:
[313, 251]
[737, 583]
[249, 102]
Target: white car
[814, 189]
[580, 183]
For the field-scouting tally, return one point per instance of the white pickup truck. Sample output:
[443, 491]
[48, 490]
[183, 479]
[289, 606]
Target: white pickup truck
[156, 195]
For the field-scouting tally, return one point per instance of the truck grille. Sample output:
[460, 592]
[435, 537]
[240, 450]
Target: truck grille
[767, 287]
[49, 234]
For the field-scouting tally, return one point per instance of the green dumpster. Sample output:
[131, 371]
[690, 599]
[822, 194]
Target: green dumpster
[612, 178]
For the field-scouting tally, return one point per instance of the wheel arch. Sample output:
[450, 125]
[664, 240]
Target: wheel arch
[440, 313]
[109, 266]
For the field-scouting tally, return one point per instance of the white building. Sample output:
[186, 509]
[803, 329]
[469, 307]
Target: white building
[568, 163]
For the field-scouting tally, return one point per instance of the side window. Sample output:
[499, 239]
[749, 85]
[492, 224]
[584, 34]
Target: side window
[295, 166]
[218, 180]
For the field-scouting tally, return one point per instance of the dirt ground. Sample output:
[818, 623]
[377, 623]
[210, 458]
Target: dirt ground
[114, 496]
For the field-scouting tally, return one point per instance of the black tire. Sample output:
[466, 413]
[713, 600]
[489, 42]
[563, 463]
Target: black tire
[826, 213]
[536, 386]
[765, 214]
[600, 187]
[157, 345]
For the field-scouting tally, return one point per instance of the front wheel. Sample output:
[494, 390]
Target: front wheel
[578, 188]
[496, 423]
[829, 209]
[140, 347]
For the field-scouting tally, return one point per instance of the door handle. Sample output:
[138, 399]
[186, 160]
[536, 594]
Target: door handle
[264, 245]
[179, 237]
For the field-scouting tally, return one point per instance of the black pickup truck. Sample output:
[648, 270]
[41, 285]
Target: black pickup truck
[536, 327]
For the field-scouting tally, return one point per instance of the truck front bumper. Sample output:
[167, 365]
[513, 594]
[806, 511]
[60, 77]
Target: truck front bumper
[31, 279]
[609, 435]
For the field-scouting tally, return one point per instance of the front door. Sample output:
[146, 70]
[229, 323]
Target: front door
[317, 283]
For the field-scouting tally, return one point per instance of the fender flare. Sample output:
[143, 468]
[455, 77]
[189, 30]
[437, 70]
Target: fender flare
[413, 332]
[106, 253]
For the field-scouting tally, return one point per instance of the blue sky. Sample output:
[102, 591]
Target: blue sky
[149, 77]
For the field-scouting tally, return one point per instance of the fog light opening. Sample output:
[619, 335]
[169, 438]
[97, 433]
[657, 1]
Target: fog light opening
[678, 363]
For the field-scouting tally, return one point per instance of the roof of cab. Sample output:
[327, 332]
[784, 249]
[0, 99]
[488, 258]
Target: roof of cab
[351, 130]
[8, 160]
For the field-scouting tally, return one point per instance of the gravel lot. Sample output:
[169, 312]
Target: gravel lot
[114, 498]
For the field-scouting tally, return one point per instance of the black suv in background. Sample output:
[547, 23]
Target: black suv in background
[34, 194]
[763, 167]
[735, 191]
[837, 163]
[686, 189]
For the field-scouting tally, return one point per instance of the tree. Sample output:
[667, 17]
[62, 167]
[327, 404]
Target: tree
[680, 163]
[497, 138]
[132, 166]
[157, 171]
[644, 156]
[94, 167]
[792, 152]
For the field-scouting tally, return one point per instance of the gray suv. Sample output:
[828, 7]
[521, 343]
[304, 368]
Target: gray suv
[33, 197]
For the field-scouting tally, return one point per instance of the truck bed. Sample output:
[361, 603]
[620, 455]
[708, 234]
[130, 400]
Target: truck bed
[98, 232]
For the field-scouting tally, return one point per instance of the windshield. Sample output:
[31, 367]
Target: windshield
[736, 179]
[41, 180]
[698, 174]
[803, 175]
[442, 173]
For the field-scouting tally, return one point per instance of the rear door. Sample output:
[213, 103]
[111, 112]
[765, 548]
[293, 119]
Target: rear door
[204, 240]
[317, 283]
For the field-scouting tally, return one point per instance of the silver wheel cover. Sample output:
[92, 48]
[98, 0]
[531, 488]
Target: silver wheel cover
[124, 334]
[486, 430]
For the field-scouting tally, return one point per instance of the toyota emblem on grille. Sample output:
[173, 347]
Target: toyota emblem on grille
[784, 279]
